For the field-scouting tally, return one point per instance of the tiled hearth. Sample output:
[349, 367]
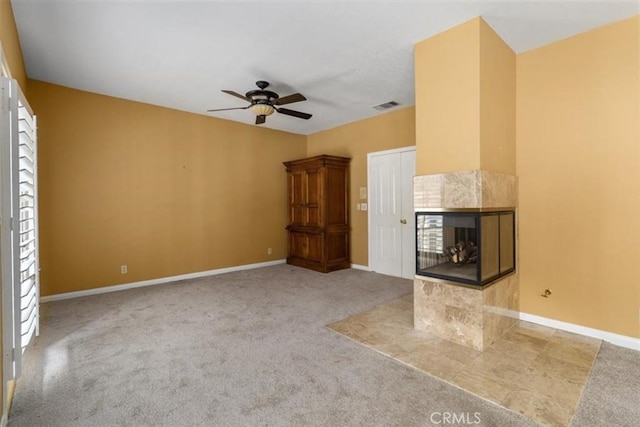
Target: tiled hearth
[471, 316]
[536, 371]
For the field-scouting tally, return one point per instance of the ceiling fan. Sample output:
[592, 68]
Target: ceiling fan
[264, 102]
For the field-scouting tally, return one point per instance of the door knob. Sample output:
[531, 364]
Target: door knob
[403, 221]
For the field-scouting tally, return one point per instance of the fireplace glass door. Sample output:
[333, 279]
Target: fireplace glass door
[473, 248]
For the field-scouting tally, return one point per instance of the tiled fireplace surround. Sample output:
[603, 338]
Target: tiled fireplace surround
[472, 317]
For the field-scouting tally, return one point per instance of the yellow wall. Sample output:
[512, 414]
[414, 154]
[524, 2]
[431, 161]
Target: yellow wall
[11, 44]
[497, 103]
[13, 56]
[465, 101]
[390, 130]
[447, 88]
[578, 162]
[162, 191]
[168, 193]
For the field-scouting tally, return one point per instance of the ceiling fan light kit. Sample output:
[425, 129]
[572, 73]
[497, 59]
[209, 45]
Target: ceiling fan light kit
[261, 109]
[263, 103]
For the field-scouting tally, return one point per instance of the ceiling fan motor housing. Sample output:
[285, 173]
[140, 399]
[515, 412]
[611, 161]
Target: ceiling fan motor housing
[261, 96]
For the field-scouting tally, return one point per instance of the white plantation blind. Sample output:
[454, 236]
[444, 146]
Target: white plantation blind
[28, 230]
[19, 238]
[430, 229]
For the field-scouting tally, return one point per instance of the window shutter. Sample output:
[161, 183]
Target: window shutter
[19, 221]
[28, 230]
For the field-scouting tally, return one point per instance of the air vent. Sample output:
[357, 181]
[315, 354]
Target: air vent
[386, 105]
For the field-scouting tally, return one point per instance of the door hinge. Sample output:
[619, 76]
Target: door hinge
[6, 101]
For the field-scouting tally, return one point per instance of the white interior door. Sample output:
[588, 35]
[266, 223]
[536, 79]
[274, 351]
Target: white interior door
[391, 217]
[408, 222]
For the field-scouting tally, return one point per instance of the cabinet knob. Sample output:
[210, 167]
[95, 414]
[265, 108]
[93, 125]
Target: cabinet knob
[403, 221]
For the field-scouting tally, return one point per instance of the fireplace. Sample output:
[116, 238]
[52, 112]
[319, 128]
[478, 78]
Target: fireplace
[466, 288]
[468, 246]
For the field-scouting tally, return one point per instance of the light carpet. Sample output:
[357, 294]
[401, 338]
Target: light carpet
[612, 394]
[248, 348]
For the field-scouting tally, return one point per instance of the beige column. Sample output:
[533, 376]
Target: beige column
[465, 158]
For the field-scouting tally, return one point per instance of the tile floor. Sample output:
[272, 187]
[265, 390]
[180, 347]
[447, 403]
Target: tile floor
[537, 371]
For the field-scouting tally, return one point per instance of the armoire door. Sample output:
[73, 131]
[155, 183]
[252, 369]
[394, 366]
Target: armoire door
[304, 198]
[313, 205]
[297, 198]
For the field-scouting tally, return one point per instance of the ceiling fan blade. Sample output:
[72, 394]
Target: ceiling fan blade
[293, 113]
[260, 119]
[236, 94]
[289, 99]
[227, 109]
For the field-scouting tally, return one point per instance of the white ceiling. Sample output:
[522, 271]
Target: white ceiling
[344, 56]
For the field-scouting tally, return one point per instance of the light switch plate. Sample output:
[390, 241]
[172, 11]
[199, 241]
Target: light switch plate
[363, 206]
[363, 192]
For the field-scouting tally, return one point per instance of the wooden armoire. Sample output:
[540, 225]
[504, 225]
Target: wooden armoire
[318, 198]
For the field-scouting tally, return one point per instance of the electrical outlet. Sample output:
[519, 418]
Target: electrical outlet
[123, 269]
[269, 251]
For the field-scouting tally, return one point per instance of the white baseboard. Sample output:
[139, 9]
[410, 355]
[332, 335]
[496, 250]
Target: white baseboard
[620, 340]
[360, 267]
[116, 288]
